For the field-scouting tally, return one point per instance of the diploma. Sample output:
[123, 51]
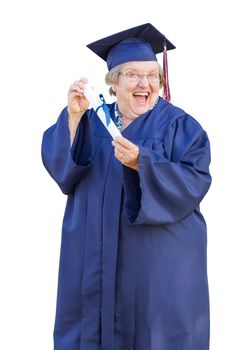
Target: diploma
[97, 102]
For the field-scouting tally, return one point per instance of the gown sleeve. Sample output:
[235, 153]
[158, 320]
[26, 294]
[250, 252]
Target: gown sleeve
[169, 186]
[66, 164]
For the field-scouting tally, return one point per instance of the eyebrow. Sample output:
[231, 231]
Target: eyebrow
[135, 70]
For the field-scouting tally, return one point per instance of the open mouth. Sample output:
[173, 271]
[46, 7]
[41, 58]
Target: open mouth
[141, 97]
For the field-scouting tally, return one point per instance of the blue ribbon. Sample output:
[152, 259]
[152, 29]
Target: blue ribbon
[105, 109]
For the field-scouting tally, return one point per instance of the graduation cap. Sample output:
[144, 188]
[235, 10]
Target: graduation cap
[140, 43]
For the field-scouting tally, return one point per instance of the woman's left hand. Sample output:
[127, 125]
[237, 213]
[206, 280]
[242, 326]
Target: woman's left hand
[126, 152]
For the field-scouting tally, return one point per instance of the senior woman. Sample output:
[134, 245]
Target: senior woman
[133, 268]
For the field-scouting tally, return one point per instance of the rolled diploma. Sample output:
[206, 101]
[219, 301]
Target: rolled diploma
[96, 102]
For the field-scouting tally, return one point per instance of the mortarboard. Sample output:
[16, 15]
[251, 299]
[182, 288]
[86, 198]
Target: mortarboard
[140, 43]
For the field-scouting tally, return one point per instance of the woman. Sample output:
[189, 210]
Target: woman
[133, 270]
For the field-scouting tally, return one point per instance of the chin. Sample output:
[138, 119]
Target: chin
[141, 110]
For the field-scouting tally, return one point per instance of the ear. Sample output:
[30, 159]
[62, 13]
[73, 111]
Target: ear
[113, 88]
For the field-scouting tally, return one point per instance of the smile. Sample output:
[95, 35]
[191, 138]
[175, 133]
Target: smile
[141, 96]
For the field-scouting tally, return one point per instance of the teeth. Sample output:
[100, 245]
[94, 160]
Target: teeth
[141, 94]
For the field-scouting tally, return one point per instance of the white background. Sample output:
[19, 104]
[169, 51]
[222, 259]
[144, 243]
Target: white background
[42, 52]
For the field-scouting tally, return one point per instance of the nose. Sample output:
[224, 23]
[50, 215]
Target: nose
[144, 80]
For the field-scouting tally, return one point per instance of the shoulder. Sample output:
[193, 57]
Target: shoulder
[167, 108]
[170, 118]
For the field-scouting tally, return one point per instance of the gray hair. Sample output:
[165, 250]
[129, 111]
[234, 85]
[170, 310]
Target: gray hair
[113, 75]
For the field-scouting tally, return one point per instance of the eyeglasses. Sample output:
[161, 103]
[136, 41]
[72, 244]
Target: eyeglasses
[135, 77]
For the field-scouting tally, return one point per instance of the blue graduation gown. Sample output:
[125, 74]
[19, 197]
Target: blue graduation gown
[133, 266]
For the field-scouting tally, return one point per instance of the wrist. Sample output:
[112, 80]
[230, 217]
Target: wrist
[75, 116]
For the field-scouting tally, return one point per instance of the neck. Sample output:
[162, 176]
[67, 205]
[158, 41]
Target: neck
[126, 121]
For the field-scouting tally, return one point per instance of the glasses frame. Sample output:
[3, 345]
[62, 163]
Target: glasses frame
[138, 77]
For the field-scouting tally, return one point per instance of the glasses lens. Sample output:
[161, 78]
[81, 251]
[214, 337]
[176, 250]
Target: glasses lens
[133, 76]
[136, 77]
[153, 77]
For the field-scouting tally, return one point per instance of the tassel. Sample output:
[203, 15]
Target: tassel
[166, 88]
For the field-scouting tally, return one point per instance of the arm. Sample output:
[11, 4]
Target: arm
[77, 105]
[67, 165]
[169, 186]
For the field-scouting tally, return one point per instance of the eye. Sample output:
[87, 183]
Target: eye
[153, 76]
[133, 75]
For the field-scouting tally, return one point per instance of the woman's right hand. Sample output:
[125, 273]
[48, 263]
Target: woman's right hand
[77, 105]
[77, 102]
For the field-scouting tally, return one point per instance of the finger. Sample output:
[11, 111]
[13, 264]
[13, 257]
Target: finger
[119, 156]
[84, 80]
[81, 84]
[120, 148]
[78, 86]
[128, 148]
[123, 145]
[123, 142]
[76, 94]
[125, 155]
[75, 89]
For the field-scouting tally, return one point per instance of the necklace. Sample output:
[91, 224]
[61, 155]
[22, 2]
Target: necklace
[118, 117]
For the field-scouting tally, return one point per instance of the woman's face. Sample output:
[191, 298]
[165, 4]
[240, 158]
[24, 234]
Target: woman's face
[138, 88]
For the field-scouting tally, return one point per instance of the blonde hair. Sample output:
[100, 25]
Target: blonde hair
[113, 75]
